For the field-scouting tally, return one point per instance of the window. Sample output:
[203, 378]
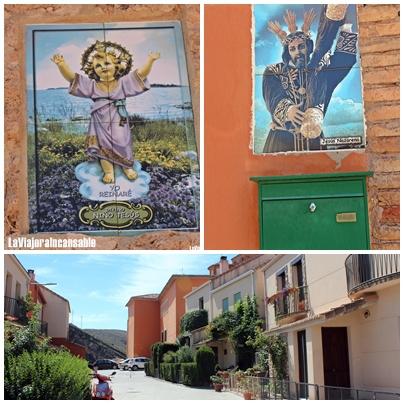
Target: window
[225, 305]
[201, 303]
[17, 290]
[165, 335]
[162, 336]
[236, 297]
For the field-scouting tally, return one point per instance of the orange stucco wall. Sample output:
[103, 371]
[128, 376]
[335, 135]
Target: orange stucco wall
[148, 317]
[231, 199]
[143, 326]
[172, 304]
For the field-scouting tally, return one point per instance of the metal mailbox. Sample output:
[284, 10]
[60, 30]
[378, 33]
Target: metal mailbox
[314, 211]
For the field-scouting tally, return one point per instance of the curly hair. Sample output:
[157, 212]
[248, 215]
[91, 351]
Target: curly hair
[121, 57]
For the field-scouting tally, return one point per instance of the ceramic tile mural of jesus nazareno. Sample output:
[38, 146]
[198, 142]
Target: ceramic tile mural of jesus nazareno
[111, 137]
[307, 79]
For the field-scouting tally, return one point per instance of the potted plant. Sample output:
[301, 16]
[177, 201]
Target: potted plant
[217, 382]
[245, 387]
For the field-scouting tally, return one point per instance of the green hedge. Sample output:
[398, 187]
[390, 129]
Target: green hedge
[148, 369]
[193, 320]
[170, 372]
[205, 362]
[189, 374]
[46, 376]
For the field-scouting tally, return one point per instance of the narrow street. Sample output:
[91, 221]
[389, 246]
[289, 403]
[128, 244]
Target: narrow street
[129, 385]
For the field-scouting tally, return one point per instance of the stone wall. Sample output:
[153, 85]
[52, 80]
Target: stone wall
[15, 156]
[379, 29]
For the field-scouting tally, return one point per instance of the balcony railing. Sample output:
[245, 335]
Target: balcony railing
[199, 335]
[229, 275]
[264, 388]
[292, 301]
[362, 271]
[43, 328]
[14, 308]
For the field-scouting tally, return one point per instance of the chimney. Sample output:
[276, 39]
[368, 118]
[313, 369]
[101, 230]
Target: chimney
[223, 265]
[31, 274]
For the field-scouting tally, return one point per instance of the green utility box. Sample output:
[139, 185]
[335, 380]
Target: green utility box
[314, 211]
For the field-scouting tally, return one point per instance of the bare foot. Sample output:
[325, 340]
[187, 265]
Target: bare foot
[108, 178]
[130, 173]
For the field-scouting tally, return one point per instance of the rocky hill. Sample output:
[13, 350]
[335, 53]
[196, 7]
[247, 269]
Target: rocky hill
[114, 338]
[95, 347]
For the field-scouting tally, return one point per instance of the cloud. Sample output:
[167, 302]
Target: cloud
[139, 42]
[90, 175]
[151, 274]
[342, 111]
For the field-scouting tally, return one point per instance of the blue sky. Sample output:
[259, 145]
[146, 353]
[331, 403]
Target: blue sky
[99, 285]
[346, 105]
[71, 44]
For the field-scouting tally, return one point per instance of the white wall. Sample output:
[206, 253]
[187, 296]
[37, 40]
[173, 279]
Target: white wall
[192, 299]
[326, 281]
[56, 314]
[373, 344]
[244, 285]
[18, 274]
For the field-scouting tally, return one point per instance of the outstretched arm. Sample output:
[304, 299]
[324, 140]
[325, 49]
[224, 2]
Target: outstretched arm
[64, 69]
[144, 71]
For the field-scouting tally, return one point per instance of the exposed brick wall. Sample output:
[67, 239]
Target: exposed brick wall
[379, 29]
[15, 155]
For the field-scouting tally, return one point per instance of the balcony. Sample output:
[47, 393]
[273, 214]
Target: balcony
[43, 328]
[229, 275]
[370, 271]
[14, 308]
[290, 304]
[199, 336]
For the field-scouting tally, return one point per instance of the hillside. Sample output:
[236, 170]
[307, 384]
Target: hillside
[114, 338]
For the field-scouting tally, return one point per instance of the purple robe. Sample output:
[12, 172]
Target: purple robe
[109, 136]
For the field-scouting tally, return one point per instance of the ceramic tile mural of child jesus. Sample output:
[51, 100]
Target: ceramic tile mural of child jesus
[110, 81]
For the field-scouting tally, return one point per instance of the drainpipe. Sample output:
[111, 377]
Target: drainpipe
[265, 304]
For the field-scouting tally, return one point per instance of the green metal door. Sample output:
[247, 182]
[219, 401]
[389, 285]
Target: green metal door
[302, 228]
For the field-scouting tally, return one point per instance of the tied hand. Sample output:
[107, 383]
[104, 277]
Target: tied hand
[57, 59]
[154, 55]
[295, 116]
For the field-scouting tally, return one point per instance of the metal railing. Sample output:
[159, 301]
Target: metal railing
[43, 328]
[362, 270]
[13, 307]
[264, 388]
[291, 301]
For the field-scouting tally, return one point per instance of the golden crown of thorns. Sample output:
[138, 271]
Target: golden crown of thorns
[122, 57]
[290, 20]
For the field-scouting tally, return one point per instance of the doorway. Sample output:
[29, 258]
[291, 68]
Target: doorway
[336, 362]
[302, 354]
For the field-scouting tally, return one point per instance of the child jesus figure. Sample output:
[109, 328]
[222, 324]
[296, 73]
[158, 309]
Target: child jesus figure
[108, 83]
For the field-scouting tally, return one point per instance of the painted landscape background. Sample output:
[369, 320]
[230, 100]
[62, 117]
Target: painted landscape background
[162, 129]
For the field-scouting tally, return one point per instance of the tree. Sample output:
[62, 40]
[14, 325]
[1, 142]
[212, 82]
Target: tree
[271, 349]
[239, 326]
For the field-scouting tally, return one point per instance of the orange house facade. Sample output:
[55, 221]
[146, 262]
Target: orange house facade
[156, 317]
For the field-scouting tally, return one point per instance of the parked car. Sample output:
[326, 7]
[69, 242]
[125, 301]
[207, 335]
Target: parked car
[104, 364]
[134, 363]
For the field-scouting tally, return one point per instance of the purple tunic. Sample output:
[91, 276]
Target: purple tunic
[109, 136]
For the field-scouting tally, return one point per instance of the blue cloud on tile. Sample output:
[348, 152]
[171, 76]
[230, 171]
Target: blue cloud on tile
[90, 175]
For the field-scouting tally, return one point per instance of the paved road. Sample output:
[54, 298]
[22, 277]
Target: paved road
[135, 385]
